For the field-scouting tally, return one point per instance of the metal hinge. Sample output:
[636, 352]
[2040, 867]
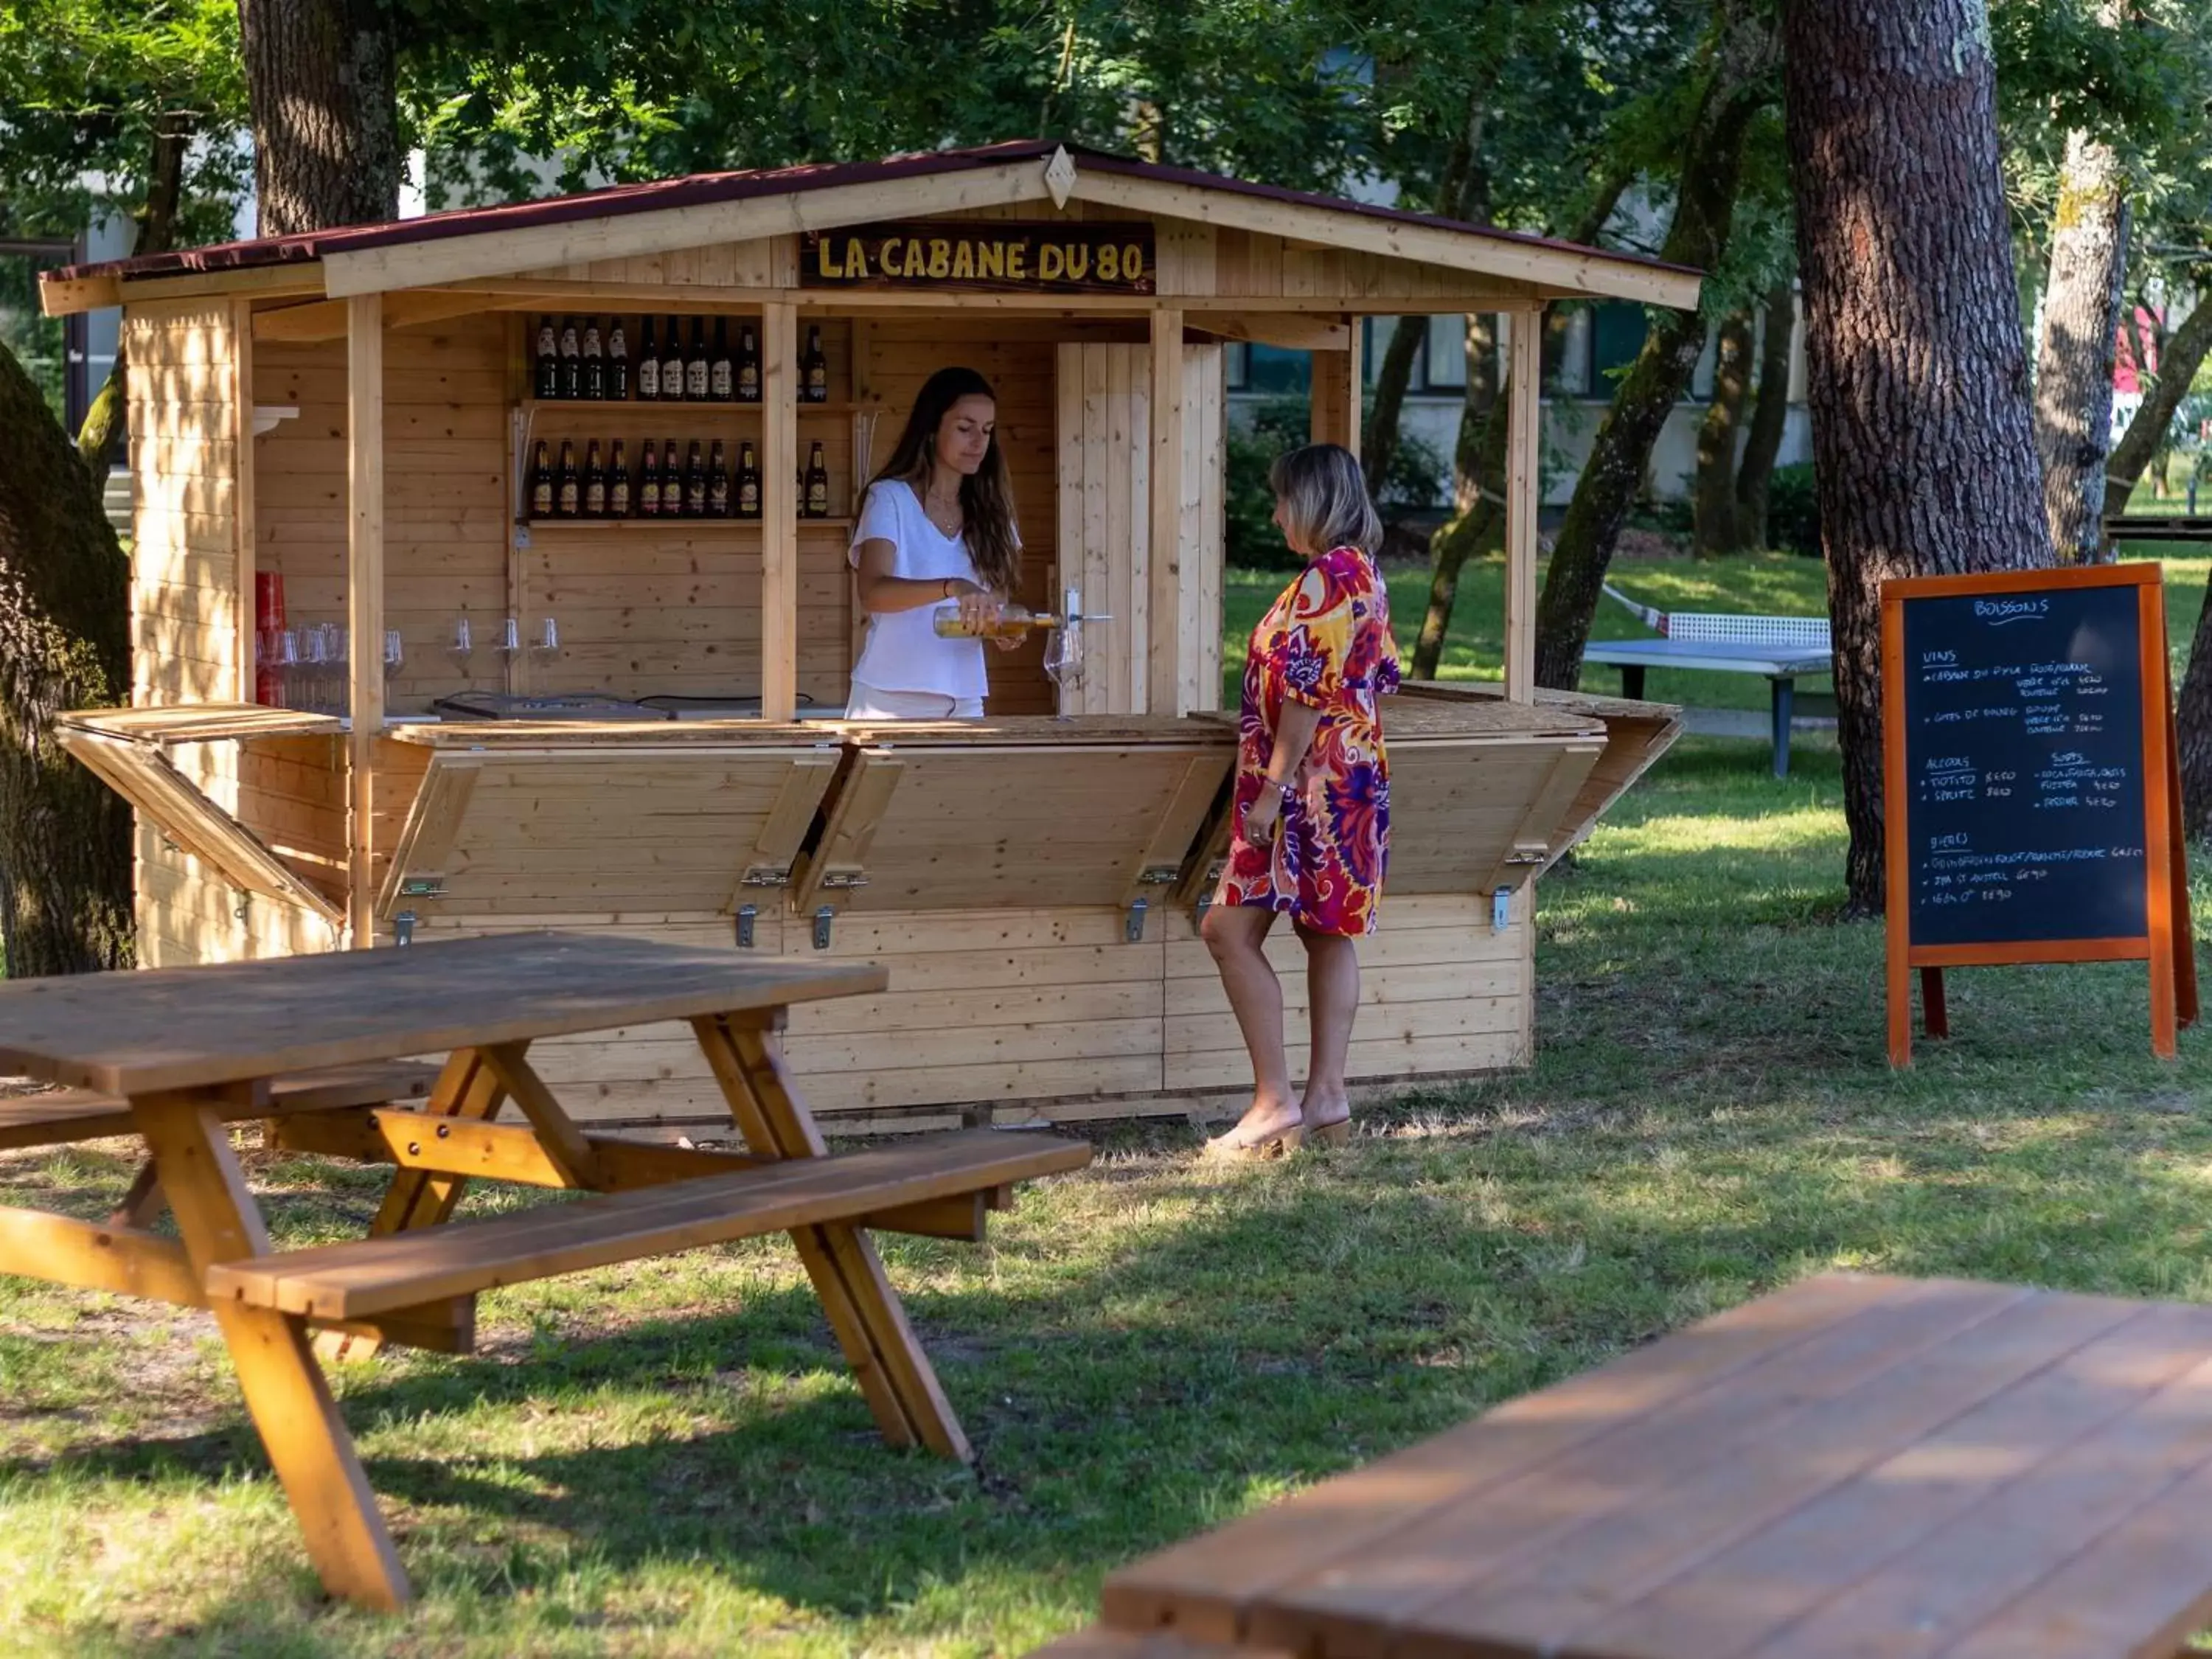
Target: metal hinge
[746, 913]
[423, 887]
[765, 875]
[1135, 932]
[1159, 875]
[402, 927]
[1501, 909]
[822, 918]
[844, 881]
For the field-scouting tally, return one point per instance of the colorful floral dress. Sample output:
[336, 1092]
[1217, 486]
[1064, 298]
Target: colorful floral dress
[1326, 642]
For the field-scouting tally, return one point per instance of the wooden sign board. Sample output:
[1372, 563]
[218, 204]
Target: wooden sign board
[1011, 256]
[2032, 794]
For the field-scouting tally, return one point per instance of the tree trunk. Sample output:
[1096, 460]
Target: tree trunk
[1459, 193]
[2074, 362]
[157, 219]
[1713, 503]
[325, 112]
[1712, 165]
[2193, 729]
[1479, 462]
[1922, 434]
[2178, 360]
[65, 643]
[1769, 414]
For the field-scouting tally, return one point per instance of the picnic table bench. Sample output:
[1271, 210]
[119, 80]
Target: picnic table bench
[1855, 1466]
[315, 1048]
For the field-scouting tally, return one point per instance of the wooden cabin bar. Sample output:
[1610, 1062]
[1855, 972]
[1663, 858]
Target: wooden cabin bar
[353, 413]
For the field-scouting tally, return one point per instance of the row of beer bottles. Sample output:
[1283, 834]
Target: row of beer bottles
[592, 365]
[697, 488]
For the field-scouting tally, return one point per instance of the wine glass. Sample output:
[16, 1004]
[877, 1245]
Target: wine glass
[316, 669]
[464, 645]
[395, 654]
[547, 645]
[285, 658]
[1063, 660]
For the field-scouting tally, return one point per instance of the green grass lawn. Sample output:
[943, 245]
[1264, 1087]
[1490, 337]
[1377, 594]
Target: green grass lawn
[669, 1459]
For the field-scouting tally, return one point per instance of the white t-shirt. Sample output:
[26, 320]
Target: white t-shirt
[904, 651]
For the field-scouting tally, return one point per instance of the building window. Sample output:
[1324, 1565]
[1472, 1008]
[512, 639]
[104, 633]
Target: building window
[1617, 332]
[1444, 352]
[1236, 366]
[1277, 370]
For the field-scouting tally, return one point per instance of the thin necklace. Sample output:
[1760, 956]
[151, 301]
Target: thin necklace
[934, 513]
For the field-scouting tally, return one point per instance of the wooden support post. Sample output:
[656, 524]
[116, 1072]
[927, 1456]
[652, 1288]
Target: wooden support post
[1162, 598]
[1523, 491]
[778, 512]
[1338, 377]
[364, 598]
[242, 530]
[285, 1391]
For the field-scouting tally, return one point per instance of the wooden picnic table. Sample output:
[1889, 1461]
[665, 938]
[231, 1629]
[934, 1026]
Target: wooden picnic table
[177, 1056]
[1859, 1466]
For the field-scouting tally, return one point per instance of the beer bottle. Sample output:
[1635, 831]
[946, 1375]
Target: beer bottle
[671, 482]
[617, 364]
[748, 366]
[695, 484]
[817, 485]
[720, 383]
[749, 505]
[648, 368]
[672, 368]
[541, 479]
[718, 484]
[695, 368]
[648, 481]
[570, 499]
[595, 362]
[618, 484]
[814, 369]
[572, 367]
[1014, 621]
[595, 483]
[549, 360]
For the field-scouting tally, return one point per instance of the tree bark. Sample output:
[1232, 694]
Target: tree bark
[1922, 434]
[2074, 360]
[1479, 462]
[65, 901]
[1713, 500]
[1712, 164]
[1459, 191]
[320, 77]
[2178, 360]
[1769, 415]
[2192, 722]
[156, 220]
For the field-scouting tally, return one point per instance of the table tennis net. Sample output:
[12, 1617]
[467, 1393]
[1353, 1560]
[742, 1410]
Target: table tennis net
[1793, 633]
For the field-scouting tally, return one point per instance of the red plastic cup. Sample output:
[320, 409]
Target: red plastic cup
[268, 600]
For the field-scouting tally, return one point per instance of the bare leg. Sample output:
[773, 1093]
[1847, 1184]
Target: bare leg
[1333, 989]
[1235, 934]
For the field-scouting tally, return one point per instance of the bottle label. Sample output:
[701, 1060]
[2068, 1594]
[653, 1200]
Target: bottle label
[695, 379]
[720, 380]
[695, 499]
[671, 377]
[568, 498]
[648, 498]
[595, 500]
[749, 499]
[817, 499]
[718, 497]
[648, 378]
[749, 383]
[541, 497]
[817, 383]
[619, 498]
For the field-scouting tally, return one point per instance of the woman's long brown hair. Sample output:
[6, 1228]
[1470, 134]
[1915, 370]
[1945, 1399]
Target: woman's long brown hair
[986, 495]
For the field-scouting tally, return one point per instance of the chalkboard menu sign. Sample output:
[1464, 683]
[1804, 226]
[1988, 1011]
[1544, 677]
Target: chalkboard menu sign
[2030, 798]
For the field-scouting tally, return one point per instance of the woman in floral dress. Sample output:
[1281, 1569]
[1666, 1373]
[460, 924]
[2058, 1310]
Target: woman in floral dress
[1311, 825]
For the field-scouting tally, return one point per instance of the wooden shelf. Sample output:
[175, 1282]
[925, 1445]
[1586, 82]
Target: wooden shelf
[656, 405]
[682, 527]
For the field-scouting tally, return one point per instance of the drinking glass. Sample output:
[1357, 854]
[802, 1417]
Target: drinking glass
[464, 645]
[395, 654]
[547, 645]
[1063, 660]
[287, 661]
[316, 669]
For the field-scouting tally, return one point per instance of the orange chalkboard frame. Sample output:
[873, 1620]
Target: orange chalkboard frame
[2167, 945]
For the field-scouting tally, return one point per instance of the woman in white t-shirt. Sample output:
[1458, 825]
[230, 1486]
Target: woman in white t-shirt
[937, 527]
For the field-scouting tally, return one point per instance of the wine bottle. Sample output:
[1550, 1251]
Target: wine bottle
[671, 482]
[569, 501]
[695, 367]
[1013, 622]
[672, 367]
[718, 484]
[549, 359]
[748, 366]
[749, 501]
[617, 364]
[817, 485]
[595, 362]
[648, 481]
[695, 484]
[721, 385]
[572, 364]
[814, 369]
[648, 368]
[618, 484]
[595, 483]
[541, 481]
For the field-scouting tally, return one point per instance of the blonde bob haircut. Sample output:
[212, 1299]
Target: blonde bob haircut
[1324, 495]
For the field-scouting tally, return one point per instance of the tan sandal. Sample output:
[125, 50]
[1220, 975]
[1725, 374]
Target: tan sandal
[1235, 1148]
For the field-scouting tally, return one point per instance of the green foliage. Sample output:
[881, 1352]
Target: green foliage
[1793, 510]
[1278, 425]
[34, 340]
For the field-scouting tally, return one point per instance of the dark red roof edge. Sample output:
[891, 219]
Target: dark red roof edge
[704, 188]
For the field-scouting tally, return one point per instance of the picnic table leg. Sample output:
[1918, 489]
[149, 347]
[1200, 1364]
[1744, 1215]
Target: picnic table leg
[286, 1392]
[880, 1343]
[467, 1087]
[1784, 700]
[1632, 680]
